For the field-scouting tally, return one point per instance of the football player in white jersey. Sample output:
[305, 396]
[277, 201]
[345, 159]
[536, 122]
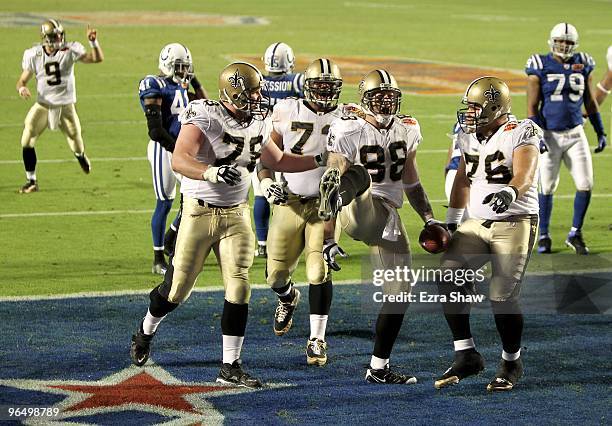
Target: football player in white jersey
[280, 82]
[300, 126]
[496, 179]
[372, 164]
[216, 151]
[52, 63]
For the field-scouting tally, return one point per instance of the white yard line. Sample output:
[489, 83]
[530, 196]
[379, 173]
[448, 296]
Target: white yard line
[72, 160]
[144, 211]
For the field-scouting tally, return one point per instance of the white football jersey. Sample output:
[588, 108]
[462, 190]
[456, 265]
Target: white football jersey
[304, 132]
[609, 58]
[228, 142]
[488, 166]
[54, 73]
[382, 152]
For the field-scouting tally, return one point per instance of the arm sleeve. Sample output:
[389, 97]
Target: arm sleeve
[338, 141]
[28, 61]
[534, 66]
[197, 114]
[527, 133]
[77, 51]
[149, 87]
[156, 127]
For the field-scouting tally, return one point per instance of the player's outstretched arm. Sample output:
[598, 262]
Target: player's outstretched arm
[95, 55]
[277, 160]
[414, 190]
[22, 82]
[592, 109]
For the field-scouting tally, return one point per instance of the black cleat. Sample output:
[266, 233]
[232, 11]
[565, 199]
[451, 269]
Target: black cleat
[30, 186]
[385, 376]
[575, 241]
[545, 245]
[467, 363]
[283, 316]
[232, 374]
[140, 348]
[261, 251]
[316, 352]
[170, 242]
[84, 162]
[329, 196]
[507, 376]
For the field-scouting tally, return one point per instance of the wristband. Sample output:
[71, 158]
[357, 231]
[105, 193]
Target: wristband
[454, 215]
[597, 123]
[512, 191]
[603, 89]
[94, 43]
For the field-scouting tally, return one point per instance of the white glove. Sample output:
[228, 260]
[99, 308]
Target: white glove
[274, 192]
[331, 249]
[226, 174]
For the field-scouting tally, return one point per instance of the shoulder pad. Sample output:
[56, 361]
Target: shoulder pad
[407, 119]
[586, 59]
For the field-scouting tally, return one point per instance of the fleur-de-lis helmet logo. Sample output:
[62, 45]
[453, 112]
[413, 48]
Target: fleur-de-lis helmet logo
[492, 94]
[236, 80]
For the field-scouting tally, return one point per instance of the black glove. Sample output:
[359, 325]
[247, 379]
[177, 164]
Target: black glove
[331, 249]
[500, 201]
[274, 192]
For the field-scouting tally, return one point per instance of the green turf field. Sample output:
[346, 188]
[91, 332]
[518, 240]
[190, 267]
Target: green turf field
[105, 244]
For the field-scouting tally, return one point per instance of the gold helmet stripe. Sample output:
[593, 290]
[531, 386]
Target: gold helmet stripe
[56, 24]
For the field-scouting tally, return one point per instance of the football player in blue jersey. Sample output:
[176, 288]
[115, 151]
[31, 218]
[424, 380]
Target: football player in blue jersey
[163, 97]
[280, 82]
[558, 85]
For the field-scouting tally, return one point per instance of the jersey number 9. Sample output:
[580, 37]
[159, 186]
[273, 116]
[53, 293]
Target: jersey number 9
[52, 69]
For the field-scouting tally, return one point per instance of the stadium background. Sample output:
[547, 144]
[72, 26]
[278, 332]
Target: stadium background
[91, 233]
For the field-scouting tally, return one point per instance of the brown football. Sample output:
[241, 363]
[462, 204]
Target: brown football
[434, 238]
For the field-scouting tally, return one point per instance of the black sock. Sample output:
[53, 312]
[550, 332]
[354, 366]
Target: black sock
[287, 298]
[159, 306]
[509, 322]
[457, 314]
[320, 298]
[354, 182]
[234, 319]
[159, 256]
[29, 159]
[387, 329]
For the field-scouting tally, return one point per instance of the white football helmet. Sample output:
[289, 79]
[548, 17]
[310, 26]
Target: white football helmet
[175, 62]
[279, 58]
[563, 40]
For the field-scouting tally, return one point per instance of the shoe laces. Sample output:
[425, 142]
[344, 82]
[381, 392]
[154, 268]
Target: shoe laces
[282, 310]
[316, 346]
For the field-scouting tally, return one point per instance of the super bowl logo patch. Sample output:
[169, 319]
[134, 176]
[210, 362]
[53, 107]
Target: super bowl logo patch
[236, 80]
[577, 67]
[492, 94]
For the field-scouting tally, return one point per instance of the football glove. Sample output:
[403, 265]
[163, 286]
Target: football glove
[500, 201]
[602, 141]
[274, 192]
[433, 221]
[331, 249]
[543, 147]
[226, 174]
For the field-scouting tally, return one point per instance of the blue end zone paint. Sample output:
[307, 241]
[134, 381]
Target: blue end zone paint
[567, 362]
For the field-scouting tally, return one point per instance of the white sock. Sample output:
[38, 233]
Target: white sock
[378, 363]
[150, 323]
[232, 345]
[30, 175]
[286, 292]
[461, 345]
[261, 243]
[173, 227]
[511, 357]
[318, 323]
[573, 229]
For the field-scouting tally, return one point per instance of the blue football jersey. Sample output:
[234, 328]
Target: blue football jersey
[174, 100]
[453, 163]
[561, 88]
[282, 86]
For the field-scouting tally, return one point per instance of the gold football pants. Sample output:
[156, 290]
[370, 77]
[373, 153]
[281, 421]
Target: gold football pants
[506, 244]
[229, 234]
[36, 122]
[295, 228]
